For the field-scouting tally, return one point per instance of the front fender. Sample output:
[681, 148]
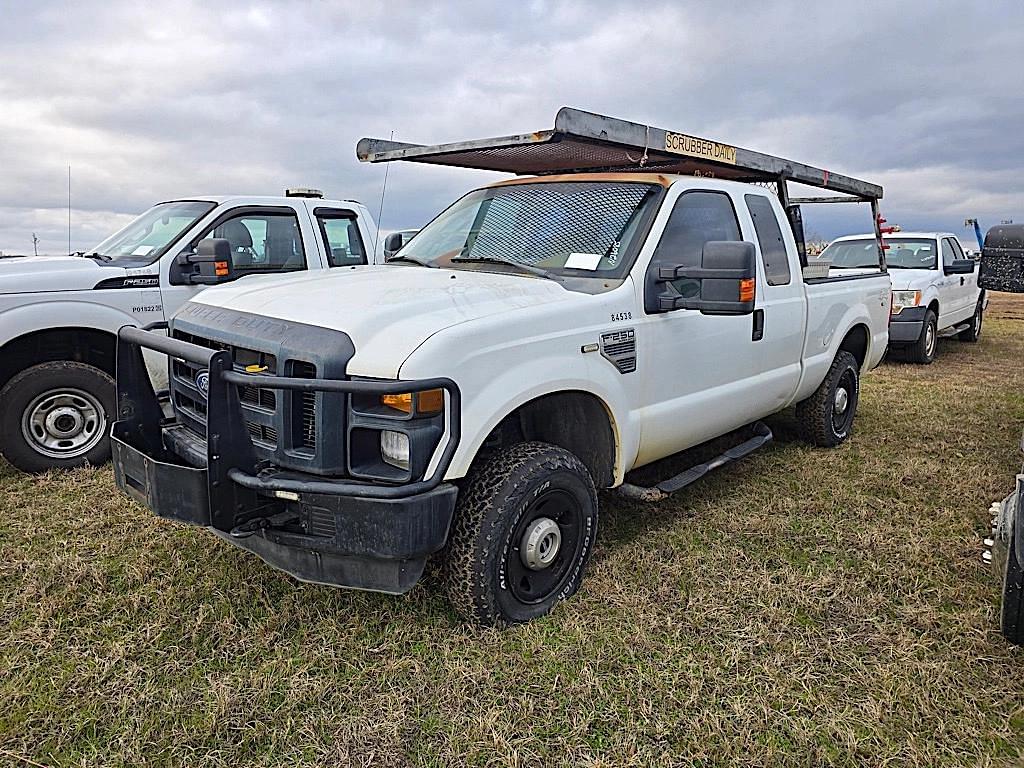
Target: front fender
[48, 315]
[495, 382]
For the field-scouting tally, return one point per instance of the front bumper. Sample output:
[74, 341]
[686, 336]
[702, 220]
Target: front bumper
[345, 533]
[906, 327]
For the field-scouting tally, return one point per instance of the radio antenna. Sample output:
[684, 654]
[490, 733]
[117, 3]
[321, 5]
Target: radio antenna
[69, 209]
[380, 210]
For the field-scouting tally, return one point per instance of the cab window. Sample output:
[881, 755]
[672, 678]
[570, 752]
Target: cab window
[769, 236]
[697, 218]
[262, 241]
[948, 254]
[342, 241]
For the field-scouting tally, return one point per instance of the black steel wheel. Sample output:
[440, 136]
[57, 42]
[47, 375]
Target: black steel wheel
[523, 532]
[826, 417]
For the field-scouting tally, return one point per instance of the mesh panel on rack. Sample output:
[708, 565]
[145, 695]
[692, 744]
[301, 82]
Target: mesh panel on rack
[540, 222]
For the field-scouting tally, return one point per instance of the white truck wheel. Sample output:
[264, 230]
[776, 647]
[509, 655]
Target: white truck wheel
[57, 415]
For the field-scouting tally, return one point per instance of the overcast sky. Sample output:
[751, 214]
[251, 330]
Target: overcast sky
[149, 102]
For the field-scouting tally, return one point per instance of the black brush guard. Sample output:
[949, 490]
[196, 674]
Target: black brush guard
[340, 532]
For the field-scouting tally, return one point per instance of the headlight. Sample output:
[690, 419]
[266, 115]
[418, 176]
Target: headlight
[903, 299]
[394, 448]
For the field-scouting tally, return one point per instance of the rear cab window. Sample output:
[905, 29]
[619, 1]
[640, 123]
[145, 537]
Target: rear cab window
[769, 236]
[339, 231]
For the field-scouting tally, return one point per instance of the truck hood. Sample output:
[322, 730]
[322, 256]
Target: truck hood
[36, 274]
[387, 311]
[913, 279]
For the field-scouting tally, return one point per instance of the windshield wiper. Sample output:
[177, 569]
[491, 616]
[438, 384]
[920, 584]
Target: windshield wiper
[97, 256]
[411, 260]
[524, 267]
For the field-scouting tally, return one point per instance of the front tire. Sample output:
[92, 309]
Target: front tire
[973, 332]
[1012, 613]
[923, 350]
[826, 417]
[524, 528]
[57, 415]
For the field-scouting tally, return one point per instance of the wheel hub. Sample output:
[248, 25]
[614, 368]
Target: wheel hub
[842, 400]
[63, 424]
[540, 543]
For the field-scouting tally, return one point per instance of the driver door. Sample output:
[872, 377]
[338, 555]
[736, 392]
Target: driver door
[698, 372]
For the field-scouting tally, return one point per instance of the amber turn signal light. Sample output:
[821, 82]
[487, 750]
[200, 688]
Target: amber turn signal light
[747, 289]
[427, 403]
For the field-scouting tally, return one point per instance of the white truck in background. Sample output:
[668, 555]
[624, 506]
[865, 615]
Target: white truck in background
[59, 316]
[934, 288]
[544, 336]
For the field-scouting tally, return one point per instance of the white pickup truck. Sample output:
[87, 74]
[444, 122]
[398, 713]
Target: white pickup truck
[934, 287]
[534, 343]
[59, 316]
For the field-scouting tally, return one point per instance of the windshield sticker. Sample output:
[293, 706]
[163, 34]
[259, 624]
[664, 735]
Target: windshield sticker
[588, 261]
[681, 144]
[142, 250]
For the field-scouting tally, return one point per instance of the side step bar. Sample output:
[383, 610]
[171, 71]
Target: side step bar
[762, 436]
[949, 333]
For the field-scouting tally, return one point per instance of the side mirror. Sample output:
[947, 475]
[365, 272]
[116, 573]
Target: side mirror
[393, 244]
[727, 280]
[960, 267]
[210, 264]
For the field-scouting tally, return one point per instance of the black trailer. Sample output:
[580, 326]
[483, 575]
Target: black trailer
[588, 142]
[1002, 259]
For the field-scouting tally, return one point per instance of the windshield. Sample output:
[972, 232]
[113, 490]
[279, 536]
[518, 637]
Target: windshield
[147, 237]
[574, 229]
[903, 253]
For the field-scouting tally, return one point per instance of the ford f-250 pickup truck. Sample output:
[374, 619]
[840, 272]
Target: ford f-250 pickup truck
[934, 288]
[59, 316]
[534, 343]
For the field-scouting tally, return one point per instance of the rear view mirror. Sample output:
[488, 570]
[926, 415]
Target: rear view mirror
[726, 280]
[1002, 259]
[210, 264]
[960, 267]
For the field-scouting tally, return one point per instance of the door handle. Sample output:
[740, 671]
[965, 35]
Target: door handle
[758, 332]
[962, 280]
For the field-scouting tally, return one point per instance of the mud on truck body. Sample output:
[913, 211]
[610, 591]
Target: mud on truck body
[542, 337]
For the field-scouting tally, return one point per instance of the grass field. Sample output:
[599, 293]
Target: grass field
[802, 607]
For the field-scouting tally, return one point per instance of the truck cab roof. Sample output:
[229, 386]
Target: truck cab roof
[259, 200]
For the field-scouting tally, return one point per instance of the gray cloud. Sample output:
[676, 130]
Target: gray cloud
[149, 104]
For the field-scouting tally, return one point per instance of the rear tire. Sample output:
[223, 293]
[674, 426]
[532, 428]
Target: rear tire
[973, 333]
[1012, 613]
[57, 415]
[826, 417]
[923, 350]
[524, 528]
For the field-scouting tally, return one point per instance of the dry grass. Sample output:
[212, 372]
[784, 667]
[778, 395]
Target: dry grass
[802, 607]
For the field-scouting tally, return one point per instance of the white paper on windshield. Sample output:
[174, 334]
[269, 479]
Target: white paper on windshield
[142, 250]
[588, 261]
